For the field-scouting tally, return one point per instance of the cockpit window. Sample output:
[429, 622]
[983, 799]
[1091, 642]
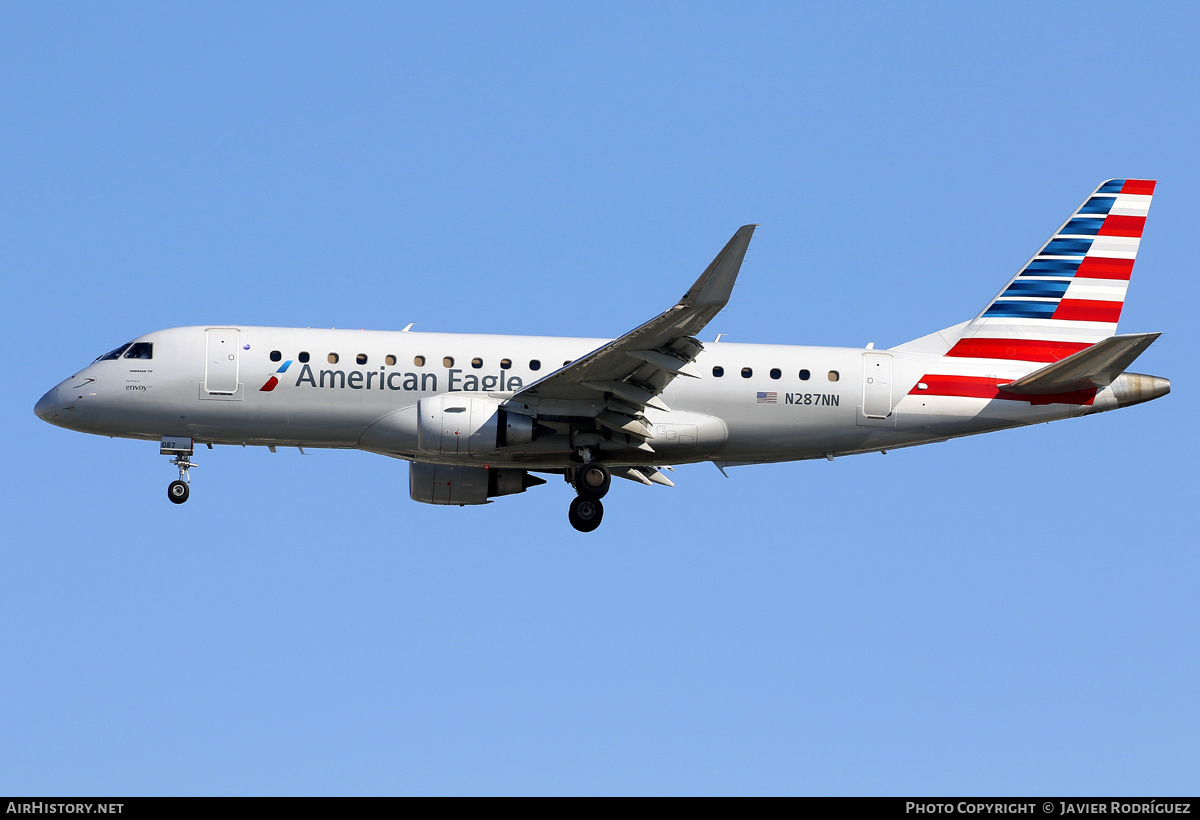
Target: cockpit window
[141, 350]
[114, 354]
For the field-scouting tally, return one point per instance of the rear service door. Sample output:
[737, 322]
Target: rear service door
[877, 385]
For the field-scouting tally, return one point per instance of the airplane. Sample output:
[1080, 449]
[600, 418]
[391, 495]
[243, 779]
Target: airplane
[477, 416]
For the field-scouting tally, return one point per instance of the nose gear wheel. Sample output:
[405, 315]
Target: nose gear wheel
[178, 492]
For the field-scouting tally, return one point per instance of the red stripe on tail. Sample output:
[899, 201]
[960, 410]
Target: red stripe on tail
[1100, 267]
[1122, 226]
[1138, 186]
[1024, 350]
[982, 387]
[1088, 310]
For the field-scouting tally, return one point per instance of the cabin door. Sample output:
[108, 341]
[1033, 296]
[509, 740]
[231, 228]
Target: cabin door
[877, 385]
[221, 361]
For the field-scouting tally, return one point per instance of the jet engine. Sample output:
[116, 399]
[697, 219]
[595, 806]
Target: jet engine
[445, 484]
[454, 424]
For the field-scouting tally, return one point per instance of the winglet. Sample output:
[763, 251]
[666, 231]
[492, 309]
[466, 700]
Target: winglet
[716, 283]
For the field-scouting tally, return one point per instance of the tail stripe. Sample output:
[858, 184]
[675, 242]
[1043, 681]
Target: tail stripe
[1122, 226]
[1070, 294]
[987, 387]
[1098, 267]
[1022, 310]
[1138, 186]
[1084, 225]
[1025, 350]
[1088, 310]
[1104, 290]
[1067, 247]
[1098, 205]
[1047, 288]
[1051, 267]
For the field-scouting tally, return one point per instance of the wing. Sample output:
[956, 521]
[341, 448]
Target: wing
[615, 383]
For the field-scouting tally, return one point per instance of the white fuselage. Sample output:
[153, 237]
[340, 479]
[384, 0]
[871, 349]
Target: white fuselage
[769, 403]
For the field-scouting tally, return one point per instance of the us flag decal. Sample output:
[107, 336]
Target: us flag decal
[767, 398]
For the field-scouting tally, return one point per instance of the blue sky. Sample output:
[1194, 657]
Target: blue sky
[1007, 614]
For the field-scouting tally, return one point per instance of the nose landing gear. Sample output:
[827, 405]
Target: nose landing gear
[592, 481]
[178, 491]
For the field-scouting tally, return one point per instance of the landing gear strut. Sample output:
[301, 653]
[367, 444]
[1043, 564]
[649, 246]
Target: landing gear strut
[178, 491]
[181, 448]
[592, 481]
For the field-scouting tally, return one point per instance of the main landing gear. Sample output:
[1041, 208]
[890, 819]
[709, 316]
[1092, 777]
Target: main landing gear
[592, 481]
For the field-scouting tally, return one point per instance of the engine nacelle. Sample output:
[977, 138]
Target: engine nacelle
[446, 484]
[454, 424]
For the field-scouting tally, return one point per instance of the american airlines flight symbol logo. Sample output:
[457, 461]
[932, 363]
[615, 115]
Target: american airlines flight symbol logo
[274, 380]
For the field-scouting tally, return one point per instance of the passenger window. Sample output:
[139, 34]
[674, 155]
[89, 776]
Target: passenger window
[833, 375]
[567, 362]
[276, 355]
[114, 354]
[303, 357]
[389, 360]
[333, 358]
[535, 365]
[718, 371]
[361, 358]
[804, 374]
[448, 361]
[747, 372]
[477, 363]
[776, 373]
[419, 361]
[141, 350]
[505, 364]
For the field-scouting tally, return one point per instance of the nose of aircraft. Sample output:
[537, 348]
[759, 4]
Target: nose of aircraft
[48, 406]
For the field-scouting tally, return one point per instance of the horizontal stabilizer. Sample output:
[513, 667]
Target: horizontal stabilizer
[1095, 366]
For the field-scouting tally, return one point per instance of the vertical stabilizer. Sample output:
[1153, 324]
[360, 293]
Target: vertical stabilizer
[1070, 294]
